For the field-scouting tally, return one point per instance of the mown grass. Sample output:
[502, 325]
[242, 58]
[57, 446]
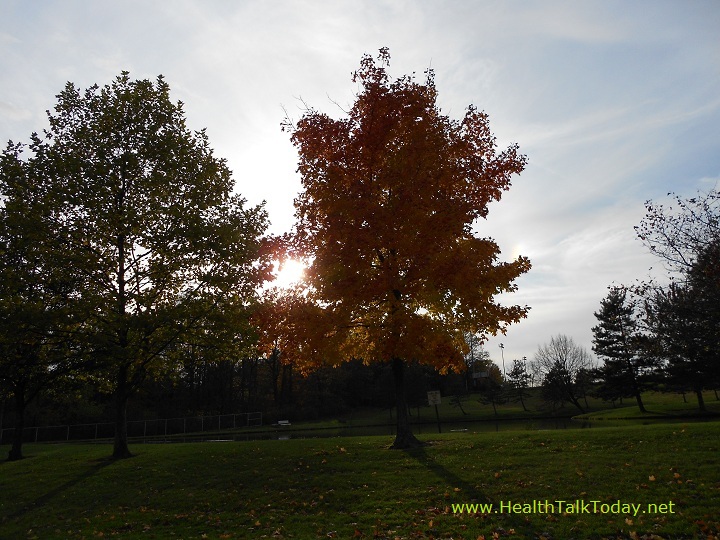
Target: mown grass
[659, 405]
[357, 488]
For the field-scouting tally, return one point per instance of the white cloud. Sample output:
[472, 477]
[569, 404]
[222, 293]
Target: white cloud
[614, 103]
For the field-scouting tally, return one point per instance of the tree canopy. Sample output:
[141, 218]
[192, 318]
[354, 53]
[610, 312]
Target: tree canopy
[386, 219]
[144, 212]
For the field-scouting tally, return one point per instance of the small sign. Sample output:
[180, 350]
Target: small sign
[434, 397]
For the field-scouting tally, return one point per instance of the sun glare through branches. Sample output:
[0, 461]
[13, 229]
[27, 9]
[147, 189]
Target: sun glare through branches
[289, 272]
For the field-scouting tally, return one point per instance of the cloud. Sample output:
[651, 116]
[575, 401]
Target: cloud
[14, 112]
[614, 103]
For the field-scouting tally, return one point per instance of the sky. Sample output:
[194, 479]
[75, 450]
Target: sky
[614, 103]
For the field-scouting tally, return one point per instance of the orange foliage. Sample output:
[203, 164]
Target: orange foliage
[386, 218]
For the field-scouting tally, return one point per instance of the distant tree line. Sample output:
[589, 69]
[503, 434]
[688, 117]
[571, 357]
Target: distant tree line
[209, 387]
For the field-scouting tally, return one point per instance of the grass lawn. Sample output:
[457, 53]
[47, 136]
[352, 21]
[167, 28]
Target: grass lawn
[357, 488]
[659, 405]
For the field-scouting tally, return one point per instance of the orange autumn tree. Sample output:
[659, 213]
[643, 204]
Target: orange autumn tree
[391, 196]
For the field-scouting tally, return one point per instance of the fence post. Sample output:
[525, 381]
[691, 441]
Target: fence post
[67, 438]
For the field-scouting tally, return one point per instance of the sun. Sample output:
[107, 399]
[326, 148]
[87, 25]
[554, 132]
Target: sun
[290, 272]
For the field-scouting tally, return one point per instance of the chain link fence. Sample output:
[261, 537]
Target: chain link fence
[136, 428]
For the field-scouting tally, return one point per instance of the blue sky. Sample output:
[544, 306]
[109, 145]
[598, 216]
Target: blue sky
[614, 102]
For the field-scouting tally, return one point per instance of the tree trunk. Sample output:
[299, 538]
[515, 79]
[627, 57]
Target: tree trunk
[286, 384]
[120, 445]
[575, 402]
[404, 437]
[639, 402]
[522, 401]
[701, 400]
[17, 440]
[460, 404]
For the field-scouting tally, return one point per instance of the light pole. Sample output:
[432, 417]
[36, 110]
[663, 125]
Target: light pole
[502, 353]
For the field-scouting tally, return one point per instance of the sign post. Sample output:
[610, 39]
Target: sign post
[434, 398]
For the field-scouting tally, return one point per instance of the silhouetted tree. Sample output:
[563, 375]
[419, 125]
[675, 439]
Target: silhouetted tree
[492, 388]
[561, 362]
[685, 320]
[617, 340]
[518, 379]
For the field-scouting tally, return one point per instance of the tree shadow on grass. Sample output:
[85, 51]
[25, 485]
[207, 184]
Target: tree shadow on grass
[470, 493]
[100, 464]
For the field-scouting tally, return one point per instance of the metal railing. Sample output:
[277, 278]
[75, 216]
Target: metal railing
[136, 428]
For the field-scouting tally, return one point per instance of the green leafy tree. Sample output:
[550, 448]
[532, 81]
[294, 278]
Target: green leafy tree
[390, 196]
[36, 295]
[145, 212]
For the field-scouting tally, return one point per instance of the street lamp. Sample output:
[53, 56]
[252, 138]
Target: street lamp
[502, 353]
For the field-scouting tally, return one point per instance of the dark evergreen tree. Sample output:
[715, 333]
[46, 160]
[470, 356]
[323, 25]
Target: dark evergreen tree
[685, 320]
[616, 341]
[518, 379]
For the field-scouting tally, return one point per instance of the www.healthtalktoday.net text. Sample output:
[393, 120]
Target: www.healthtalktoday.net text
[560, 506]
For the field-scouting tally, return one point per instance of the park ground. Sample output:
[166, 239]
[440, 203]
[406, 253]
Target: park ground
[636, 481]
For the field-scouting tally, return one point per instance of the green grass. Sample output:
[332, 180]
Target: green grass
[659, 405]
[357, 488]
